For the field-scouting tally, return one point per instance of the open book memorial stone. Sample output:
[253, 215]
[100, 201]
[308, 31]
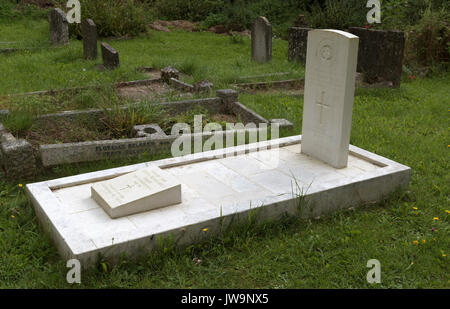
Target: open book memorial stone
[139, 191]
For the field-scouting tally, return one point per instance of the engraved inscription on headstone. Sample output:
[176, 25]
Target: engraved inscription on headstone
[329, 90]
[143, 190]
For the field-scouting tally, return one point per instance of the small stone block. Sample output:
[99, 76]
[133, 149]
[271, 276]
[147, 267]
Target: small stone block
[203, 86]
[284, 123]
[18, 160]
[168, 73]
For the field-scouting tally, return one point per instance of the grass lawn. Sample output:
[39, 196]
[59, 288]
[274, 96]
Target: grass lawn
[409, 233]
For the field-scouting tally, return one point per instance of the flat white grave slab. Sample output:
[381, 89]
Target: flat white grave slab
[216, 189]
[145, 189]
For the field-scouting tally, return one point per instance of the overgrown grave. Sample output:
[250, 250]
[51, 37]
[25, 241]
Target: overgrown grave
[124, 131]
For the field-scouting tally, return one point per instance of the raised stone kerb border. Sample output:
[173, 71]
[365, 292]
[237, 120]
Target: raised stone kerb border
[225, 102]
[136, 235]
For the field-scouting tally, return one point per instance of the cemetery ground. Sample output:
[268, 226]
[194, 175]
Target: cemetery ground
[408, 232]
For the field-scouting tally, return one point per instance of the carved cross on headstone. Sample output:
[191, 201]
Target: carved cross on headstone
[329, 86]
[321, 104]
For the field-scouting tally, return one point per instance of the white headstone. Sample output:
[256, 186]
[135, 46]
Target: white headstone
[143, 190]
[329, 90]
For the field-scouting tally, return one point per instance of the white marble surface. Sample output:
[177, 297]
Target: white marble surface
[213, 190]
[143, 190]
[329, 89]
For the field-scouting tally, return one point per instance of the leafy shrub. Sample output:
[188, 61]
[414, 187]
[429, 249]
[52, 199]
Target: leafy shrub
[194, 10]
[113, 17]
[428, 42]
[18, 121]
[400, 14]
[338, 14]
[10, 10]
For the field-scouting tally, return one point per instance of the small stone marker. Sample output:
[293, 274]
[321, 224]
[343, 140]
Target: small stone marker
[110, 56]
[89, 32]
[59, 28]
[139, 191]
[168, 72]
[262, 40]
[329, 89]
[203, 86]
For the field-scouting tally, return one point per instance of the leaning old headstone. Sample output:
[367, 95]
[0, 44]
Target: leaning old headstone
[110, 56]
[59, 28]
[380, 55]
[262, 40]
[89, 32]
[297, 43]
[328, 101]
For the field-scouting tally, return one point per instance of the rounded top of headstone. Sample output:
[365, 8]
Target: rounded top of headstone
[333, 31]
[262, 19]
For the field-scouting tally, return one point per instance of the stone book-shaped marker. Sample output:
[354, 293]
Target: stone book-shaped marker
[143, 190]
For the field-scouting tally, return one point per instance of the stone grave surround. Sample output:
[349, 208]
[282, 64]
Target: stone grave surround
[59, 27]
[150, 138]
[262, 40]
[380, 54]
[225, 186]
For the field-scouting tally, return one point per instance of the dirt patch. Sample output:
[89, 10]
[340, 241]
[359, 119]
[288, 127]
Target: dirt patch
[58, 131]
[165, 25]
[291, 87]
[66, 131]
[185, 25]
[155, 91]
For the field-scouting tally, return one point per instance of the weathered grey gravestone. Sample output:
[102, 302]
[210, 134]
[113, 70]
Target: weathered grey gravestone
[110, 56]
[89, 32]
[329, 89]
[380, 55]
[262, 40]
[59, 28]
[297, 43]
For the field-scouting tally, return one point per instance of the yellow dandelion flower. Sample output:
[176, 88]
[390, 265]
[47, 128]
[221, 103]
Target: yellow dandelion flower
[205, 229]
[444, 255]
[424, 241]
[435, 219]
[415, 242]
[415, 208]
[12, 216]
[20, 185]
[447, 212]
